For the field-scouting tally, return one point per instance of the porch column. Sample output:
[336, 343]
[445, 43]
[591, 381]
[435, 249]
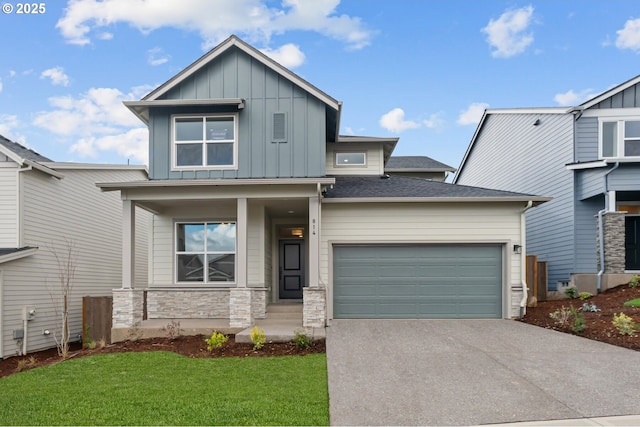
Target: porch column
[611, 196]
[314, 242]
[241, 243]
[240, 315]
[128, 243]
[314, 296]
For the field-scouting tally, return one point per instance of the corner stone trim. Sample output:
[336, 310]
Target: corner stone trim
[314, 312]
[613, 225]
[240, 313]
[127, 307]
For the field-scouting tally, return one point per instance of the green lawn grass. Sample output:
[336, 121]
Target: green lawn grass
[164, 388]
[633, 303]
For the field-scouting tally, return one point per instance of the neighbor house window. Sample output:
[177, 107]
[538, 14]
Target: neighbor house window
[205, 252]
[351, 159]
[620, 138]
[204, 141]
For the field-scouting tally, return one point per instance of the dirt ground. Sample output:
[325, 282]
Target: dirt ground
[598, 325]
[189, 346]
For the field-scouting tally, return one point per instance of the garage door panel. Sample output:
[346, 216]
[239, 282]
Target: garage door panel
[428, 281]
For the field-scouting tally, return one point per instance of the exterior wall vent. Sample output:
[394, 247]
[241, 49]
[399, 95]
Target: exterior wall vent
[279, 127]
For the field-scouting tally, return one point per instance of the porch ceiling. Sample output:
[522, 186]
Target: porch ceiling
[277, 208]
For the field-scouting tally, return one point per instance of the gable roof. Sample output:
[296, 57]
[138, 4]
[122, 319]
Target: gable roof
[607, 94]
[24, 156]
[399, 188]
[21, 151]
[234, 41]
[488, 112]
[10, 254]
[416, 164]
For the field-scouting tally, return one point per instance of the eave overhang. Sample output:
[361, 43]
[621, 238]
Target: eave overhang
[182, 183]
[17, 254]
[535, 200]
[141, 108]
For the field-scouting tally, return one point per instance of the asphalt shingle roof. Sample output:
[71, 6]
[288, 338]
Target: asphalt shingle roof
[416, 162]
[7, 251]
[22, 151]
[399, 186]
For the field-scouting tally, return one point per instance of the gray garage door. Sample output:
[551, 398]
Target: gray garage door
[425, 281]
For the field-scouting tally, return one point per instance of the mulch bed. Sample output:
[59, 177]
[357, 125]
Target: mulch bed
[188, 346]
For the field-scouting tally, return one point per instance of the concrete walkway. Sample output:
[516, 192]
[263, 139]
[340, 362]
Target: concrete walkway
[475, 372]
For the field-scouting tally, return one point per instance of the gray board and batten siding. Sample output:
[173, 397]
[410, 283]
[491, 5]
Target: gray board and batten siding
[511, 153]
[235, 74]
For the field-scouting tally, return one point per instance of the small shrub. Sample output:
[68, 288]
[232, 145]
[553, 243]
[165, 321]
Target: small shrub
[216, 340]
[257, 338]
[571, 292]
[26, 363]
[561, 316]
[87, 342]
[302, 340]
[632, 303]
[589, 306]
[635, 281]
[624, 324]
[172, 329]
[102, 343]
[585, 295]
[578, 325]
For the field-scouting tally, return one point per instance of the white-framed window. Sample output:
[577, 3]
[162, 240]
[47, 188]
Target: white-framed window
[619, 138]
[205, 252]
[205, 141]
[351, 159]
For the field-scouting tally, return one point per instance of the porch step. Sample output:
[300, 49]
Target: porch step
[285, 311]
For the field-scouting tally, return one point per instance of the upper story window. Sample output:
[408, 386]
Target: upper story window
[351, 159]
[208, 142]
[619, 138]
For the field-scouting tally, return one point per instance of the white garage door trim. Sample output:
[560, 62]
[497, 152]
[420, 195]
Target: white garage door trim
[506, 265]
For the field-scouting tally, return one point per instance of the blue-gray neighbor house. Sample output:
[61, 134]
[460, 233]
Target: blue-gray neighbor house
[259, 202]
[588, 159]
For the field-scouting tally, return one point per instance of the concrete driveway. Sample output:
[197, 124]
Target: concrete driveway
[470, 372]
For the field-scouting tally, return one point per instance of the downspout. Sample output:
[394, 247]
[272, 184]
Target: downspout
[523, 260]
[600, 231]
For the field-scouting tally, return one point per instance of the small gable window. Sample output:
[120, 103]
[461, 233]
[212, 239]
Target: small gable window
[208, 142]
[619, 138]
[351, 159]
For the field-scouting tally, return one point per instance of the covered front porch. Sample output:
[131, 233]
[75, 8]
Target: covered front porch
[223, 255]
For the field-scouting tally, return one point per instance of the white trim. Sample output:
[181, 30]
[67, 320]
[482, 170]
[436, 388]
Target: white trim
[620, 136]
[204, 142]
[17, 255]
[587, 165]
[128, 244]
[242, 247]
[435, 199]
[90, 166]
[609, 93]
[621, 113]
[113, 186]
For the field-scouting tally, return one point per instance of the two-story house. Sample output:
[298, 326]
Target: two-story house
[257, 200]
[586, 158]
[53, 221]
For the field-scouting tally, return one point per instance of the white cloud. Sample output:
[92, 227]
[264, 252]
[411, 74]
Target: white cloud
[570, 97]
[288, 55]
[105, 36]
[97, 121]
[8, 123]
[214, 20]
[473, 114]
[0, 85]
[156, 56]
[394, 121]
[12, 73]
[629, 36]
[57, 76]
[435, 121]
[508, 35]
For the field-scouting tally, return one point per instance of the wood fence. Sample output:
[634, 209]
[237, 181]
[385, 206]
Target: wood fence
[536, 280]
[96, 318]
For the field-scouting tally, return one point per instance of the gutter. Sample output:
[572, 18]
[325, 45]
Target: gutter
[600, 231]
[523, 260]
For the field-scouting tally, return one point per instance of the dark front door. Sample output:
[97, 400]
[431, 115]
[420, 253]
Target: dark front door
[632, 242]
[292, 273]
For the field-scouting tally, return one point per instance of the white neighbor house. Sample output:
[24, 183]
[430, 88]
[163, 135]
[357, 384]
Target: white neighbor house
[44, 205]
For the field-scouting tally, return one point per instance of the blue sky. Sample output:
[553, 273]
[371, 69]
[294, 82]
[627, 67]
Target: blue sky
[422, 70]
